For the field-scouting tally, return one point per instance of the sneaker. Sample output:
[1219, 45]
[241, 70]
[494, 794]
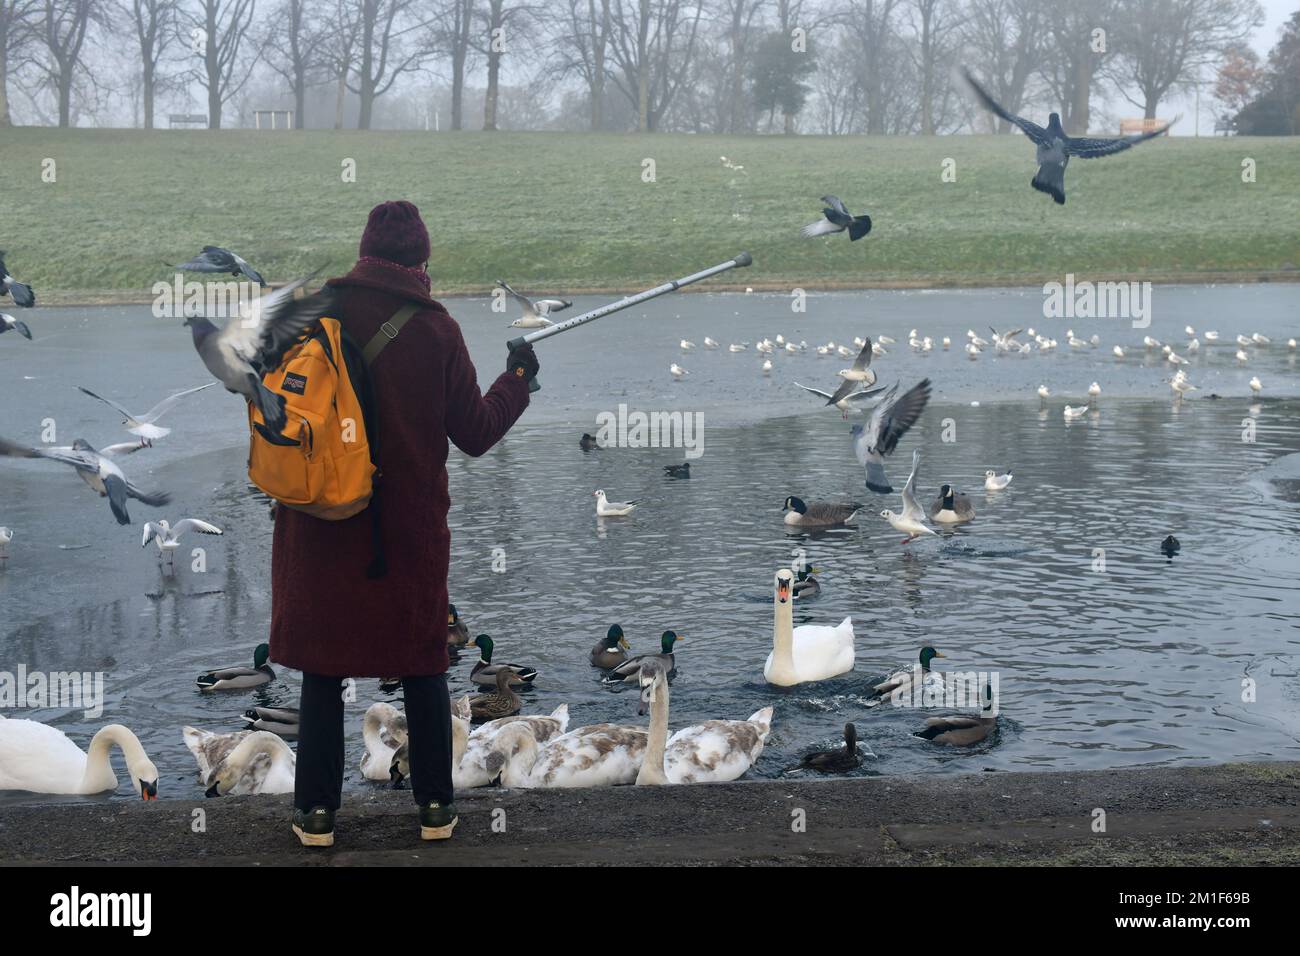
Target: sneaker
[437, 821]
[314, 827]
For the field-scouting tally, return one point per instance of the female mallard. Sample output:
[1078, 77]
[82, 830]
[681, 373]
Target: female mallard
[715, 751]
[485, 672]
[502, 702]
[281, 721]
[810, 652]
[629, 672]
[457, 632]
[951, 506]
[909, 681]
[840, 760]
[963, 730]
[384, 730]
[805, 585]
[611, 650]
[240, 678]
[819, 514]
[244, 762]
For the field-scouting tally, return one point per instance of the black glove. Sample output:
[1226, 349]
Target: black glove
[522, 361]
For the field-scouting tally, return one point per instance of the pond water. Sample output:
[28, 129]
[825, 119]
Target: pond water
[1140, 663]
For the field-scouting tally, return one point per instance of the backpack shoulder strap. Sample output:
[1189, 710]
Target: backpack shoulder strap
[388, 331]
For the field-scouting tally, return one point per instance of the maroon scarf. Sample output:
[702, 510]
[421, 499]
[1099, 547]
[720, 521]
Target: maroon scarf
[418, 272]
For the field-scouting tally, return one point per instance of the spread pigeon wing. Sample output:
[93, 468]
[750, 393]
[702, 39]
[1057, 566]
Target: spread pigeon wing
[1086, 148]
[892, 419]
[1032, 130]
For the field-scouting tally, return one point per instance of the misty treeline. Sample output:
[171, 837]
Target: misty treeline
[706, 66]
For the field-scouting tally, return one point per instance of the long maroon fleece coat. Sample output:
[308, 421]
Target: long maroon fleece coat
[327, 617]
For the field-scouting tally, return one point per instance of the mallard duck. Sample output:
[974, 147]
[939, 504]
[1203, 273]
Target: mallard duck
[806, 653]
[384, 730]
[245, 762]
[588, 442]
[601, 755]
[715, 751]
[485, 672]
[457, 632]
[630, 670]
[1170, 546]
[502, 702]
[678, 471]
[40, 759]
[805, 585]
[240, 678]
[909, 681]
[840, 760]
[611, 650]
[951, 506]
[819, 514]
[963, 730]
[282, 721]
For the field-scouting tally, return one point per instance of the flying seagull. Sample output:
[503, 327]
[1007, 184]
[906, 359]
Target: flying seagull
[21, 292]
[144, 425]
[97, 469]
[912, 521]
[216, 259]
[846, 403]
[8, 322]
[253, 344]
[168, 536]
[535, 310]
[1055, 147]
[889, 423]
[859, 374]
[837, 218]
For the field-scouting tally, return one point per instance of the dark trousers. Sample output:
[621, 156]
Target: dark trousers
[319, 778]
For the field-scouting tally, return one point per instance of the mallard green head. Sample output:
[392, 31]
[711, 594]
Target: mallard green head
[928, 654]
[614, 638]
[484, 645]
[803, 574]
[668, 640]
[261, 654]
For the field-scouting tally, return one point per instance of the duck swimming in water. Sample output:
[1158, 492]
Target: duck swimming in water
[629, 672]
[611, 650]
[240, 678]
[805, 585]
[485, 672]
[840, 760]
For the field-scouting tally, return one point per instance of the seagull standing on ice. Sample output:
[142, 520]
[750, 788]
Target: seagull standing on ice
[144, 425]
[613, 509]
[686, 345]
[5, 537]
[912, 521]
[1256, 386]
[677, 371]
[1075, 411]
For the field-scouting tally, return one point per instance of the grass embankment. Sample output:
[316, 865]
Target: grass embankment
[570, 213]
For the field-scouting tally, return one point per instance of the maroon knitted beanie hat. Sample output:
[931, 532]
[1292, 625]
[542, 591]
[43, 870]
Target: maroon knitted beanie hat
[396, 232]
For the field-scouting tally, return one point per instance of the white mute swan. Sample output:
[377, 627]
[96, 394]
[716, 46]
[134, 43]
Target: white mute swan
[712, 752]
[40, 759]
[384, 731]
[602, 755]
[245, 762]
[809, 652]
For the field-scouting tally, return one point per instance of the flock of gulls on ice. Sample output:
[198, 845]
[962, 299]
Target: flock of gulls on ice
[492, 742]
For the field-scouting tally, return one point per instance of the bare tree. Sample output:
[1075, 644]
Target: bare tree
[1006, 41]
[871, 23]
[18, 19]
[582, 47]
[935, 23]
[219, 36]
[1161, 45]
[64, 26]
[385, 50]
[739, 16]
[503, 28]
[454, 29]
[340, 51]
[155, 29]
[1075, 54]
[653, 43]
[298, 40]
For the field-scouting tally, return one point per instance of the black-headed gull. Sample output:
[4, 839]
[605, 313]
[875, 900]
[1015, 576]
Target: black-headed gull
[912, 521]
[996, 482]
[612, 509]
[144, 425]
[535, 310]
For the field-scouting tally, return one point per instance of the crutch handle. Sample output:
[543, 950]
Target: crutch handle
[533, 384]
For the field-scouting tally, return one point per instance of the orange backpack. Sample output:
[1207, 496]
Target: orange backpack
[323, 462]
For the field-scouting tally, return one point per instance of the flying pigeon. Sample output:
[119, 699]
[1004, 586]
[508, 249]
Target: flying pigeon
[889, 423]
[97, 469]
[144, 425]
[836, 218]
[253, 344]
[8, 322]
[21, 292]
[1055, 147]
[535, 310]
[216, 259]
